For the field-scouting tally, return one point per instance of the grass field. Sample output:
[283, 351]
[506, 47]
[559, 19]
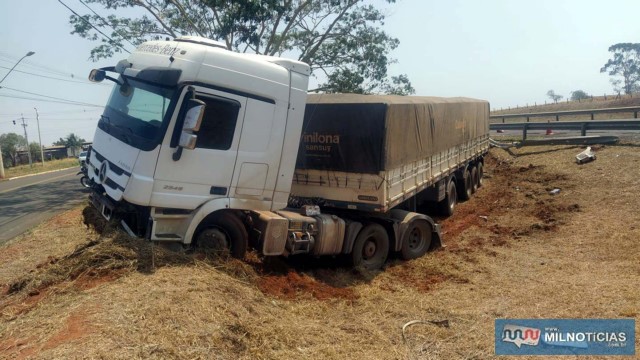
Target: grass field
[37, 167]
[512, 251]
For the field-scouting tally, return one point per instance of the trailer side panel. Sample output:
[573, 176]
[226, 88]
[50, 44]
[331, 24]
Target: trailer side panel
[373, 152]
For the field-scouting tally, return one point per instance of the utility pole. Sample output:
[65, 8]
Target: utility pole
[39, 138]
[25, 129]
[24, 125]
[1, 164]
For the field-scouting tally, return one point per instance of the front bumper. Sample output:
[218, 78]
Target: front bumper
[104, 205]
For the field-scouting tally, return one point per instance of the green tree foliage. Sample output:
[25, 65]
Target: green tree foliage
[34, 149]
[342, 40]
[72, 140]
[625, 62]
[553, 96]
[10, 144]
[579, 95]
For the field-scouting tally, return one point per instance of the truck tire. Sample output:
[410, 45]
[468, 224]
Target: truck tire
[480, 174]
[474, 179]
[224, 233]
[465, 186]
[371, 247]
[416, 240]
[448, 204]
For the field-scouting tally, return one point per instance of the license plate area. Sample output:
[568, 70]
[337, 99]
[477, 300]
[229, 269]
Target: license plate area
[102, 204]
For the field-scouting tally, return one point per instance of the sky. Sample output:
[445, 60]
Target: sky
[510, 52]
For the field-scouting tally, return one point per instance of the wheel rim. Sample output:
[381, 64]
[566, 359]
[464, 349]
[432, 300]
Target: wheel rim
[452, 198]
[474, 179]
[369, 249]
[214, 240]
[415, 239]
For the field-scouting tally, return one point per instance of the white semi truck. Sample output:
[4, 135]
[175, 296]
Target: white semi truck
[202, 146]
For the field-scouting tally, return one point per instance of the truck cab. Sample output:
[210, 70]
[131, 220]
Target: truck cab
[191, 128]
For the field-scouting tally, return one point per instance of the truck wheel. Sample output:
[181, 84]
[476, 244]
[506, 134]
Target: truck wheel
[466, 187]
[448, 204]
[474, 179]
[224, 234]
[416, 240]
[480, 174]
[85, 182]
[371, 247]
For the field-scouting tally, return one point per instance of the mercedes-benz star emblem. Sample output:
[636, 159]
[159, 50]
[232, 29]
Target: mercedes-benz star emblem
[102, 174]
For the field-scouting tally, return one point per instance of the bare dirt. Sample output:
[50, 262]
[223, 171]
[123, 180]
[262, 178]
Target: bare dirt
[513, 250]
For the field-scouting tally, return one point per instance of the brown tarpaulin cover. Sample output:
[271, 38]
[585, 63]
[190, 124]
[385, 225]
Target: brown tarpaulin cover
[383, 132]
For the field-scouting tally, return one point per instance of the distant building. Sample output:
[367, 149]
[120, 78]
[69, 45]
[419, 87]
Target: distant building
[55, 152]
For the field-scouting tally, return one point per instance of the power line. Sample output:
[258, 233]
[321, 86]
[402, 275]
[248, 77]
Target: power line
[95, 28]
[45, 100]
[47, 96]
[105, 22]
[64, 118]
[45, 69]
[54, 78]
[40, 67]
[54, 112]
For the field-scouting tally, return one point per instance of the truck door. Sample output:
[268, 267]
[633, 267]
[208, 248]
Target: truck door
[259, 153]
[205, 172]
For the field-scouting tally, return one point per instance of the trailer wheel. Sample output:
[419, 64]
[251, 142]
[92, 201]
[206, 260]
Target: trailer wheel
[474, 178]
[416, 240]
[223, 234]
[480, 174]
[448, 204]
[371, 247]
[466, 186]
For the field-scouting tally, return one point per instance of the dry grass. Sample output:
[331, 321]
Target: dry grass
[536, 255]
[37, 167]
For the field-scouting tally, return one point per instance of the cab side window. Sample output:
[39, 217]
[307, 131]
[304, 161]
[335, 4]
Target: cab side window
[218, 124]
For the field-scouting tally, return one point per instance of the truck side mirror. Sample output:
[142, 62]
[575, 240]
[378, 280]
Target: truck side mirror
[188, 140]
[192, 121]
[193, 118]
[97, 75]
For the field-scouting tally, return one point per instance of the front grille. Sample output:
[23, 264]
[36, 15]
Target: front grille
[113, 167]
[112, 184]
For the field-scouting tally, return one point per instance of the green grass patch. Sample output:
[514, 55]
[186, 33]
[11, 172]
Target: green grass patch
[37, 167]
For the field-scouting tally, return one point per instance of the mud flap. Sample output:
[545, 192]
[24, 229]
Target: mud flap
[436, 241]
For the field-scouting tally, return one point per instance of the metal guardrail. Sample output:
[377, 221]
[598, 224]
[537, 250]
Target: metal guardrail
[557, 114]
[582, 126]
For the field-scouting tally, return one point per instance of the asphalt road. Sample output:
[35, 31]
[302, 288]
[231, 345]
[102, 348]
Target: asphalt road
[28, 201]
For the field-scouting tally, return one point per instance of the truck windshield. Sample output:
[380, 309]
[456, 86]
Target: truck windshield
[136, 112]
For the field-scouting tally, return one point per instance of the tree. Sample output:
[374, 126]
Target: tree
[625, 62]
[553, 96]
[579, 95]
[34, 149]
[72, 141]
[341, 40]
[10, 143]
